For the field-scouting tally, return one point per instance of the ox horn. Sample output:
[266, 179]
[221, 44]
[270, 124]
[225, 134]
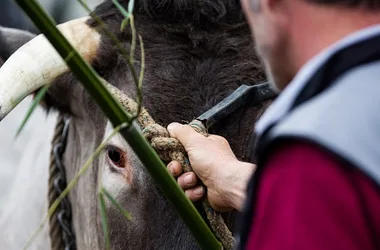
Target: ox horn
[37, 63]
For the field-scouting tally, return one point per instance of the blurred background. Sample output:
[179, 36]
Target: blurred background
[60, 10]
[31, 147]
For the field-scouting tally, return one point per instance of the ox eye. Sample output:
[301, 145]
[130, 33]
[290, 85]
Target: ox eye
[116, 156]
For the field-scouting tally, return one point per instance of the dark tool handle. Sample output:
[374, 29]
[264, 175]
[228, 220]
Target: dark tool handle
[243, 96]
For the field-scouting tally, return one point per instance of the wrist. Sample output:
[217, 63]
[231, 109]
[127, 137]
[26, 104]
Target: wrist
[237, 177]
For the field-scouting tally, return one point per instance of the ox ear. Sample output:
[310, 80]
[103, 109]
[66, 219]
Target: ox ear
[11, 40]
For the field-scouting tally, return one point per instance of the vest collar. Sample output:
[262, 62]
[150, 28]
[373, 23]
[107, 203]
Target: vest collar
[283, 103]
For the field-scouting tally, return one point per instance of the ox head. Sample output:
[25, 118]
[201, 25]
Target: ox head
[197, 52]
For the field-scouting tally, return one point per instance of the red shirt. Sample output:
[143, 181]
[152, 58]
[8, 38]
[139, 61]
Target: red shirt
[307, 200]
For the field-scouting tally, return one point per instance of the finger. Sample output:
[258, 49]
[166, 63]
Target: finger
[184, 133]
[195, 194]
[188, 180]
[175, 168]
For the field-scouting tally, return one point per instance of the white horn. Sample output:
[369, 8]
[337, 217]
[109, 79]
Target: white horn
[37, 63]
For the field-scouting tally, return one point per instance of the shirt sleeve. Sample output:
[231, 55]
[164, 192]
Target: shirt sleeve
[308, 200]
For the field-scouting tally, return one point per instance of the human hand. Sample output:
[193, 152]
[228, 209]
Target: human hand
[215, 164]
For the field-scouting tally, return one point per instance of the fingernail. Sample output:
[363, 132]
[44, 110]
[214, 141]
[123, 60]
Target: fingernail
[170, 167]
[189, 179]
[198, 190]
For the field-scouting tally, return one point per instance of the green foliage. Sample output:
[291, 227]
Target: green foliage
[103, 193]
[103, 215]
[126, 14]
[115, 203]
[41, 93]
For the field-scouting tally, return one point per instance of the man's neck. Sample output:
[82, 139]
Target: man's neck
[325, 27]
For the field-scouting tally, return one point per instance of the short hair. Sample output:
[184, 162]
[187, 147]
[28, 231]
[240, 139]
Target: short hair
[367, 4]
[364, 4]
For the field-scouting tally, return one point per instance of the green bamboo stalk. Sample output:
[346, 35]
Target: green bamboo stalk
[116, 114]
[104, 220]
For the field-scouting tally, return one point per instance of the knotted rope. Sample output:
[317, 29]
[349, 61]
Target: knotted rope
[56, 239]
[170, 149]
[60, 227]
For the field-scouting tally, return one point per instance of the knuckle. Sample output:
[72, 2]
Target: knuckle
[175, 129]
[181, 182]
[219, 139]
[189, 195]
[195, 177]
[173, 168]
[198, 191]
[189, 179]
[223, 140]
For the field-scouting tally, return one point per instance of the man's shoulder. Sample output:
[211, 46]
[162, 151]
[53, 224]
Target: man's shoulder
[344, 119]
[348, 110]
[353, 96]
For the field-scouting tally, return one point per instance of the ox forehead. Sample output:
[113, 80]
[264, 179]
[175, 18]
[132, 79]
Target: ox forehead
[197, 52]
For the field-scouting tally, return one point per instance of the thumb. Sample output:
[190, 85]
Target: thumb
[185, 134]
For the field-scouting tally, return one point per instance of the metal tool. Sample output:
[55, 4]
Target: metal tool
[243, 96]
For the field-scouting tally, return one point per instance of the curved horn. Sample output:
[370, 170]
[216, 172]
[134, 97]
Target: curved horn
[37, 63]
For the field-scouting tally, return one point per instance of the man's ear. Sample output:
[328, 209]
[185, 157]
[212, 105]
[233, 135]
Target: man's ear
[11, 40]
[277, 11]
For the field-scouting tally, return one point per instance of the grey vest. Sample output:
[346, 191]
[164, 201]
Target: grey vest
[345, 120]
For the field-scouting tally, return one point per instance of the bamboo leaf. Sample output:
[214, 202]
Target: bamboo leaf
[131, 6]
[126, 14]
[113, 38]
[124, 24]
[141, 79]
[121, 9]
[41, 93]
[133, 45]
[103, 215]
[116, 203]
[37, 99]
